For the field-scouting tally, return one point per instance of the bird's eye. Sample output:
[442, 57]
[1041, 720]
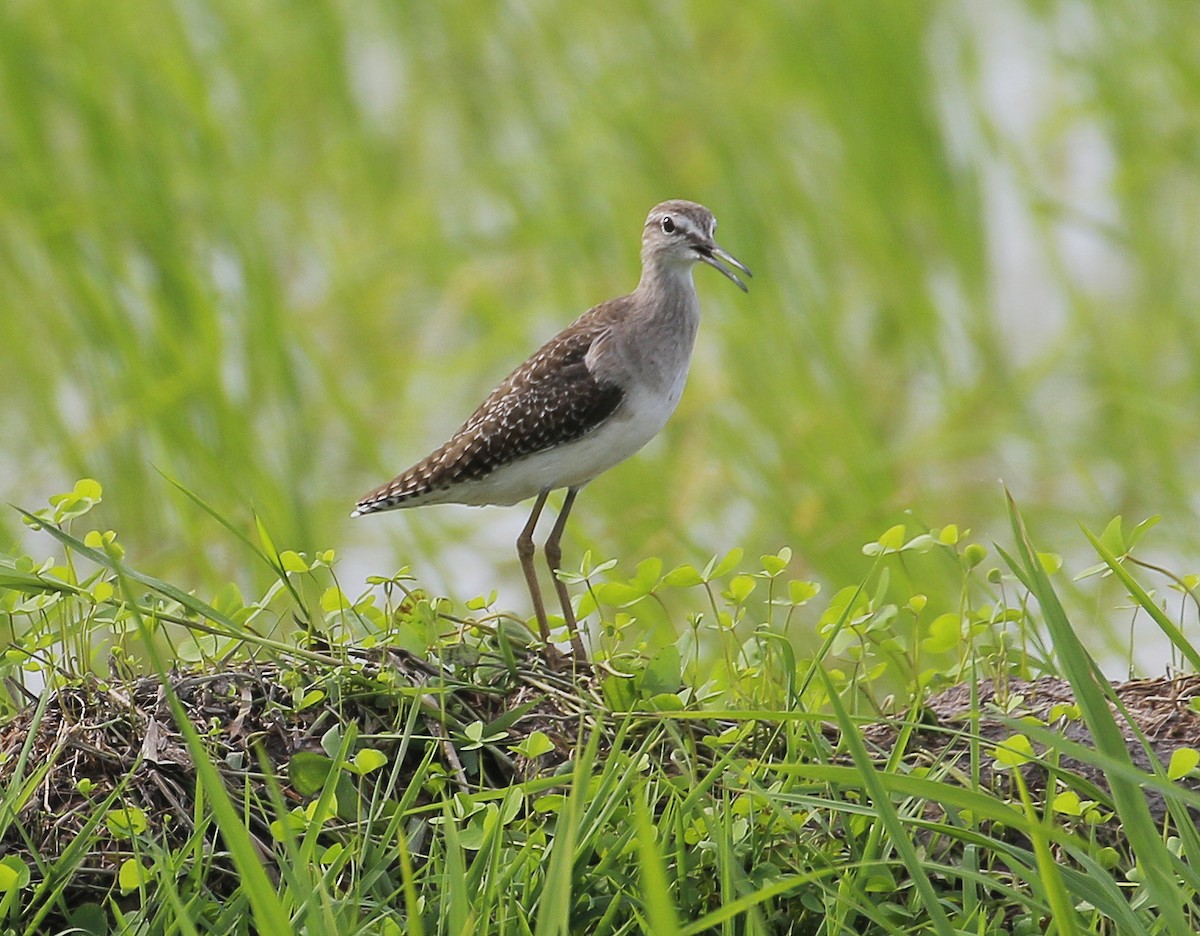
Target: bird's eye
[668, 226]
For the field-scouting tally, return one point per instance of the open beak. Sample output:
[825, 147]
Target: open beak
[714, 256]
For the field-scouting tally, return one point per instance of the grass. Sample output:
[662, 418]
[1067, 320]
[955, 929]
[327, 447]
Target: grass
[278, 253]
[388, 762]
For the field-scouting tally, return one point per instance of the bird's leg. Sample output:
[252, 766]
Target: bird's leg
[525, 551]
[554, 558]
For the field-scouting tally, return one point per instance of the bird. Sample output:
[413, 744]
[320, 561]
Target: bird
[586, 400]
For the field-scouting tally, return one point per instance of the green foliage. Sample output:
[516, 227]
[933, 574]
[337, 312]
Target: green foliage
[279, 251]
[708, 794]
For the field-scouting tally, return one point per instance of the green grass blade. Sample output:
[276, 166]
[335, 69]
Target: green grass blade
[1087, 681]
[271, 558]
[886, 811]
[1050, 880]
[266, 908]
[455, 900]
[229, 628]
[1139, 594]
[656, 892]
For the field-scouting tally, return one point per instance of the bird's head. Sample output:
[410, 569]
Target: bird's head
[678, 233]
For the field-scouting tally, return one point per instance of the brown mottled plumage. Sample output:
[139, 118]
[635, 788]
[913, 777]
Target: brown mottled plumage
[586, 400]
[549, 400]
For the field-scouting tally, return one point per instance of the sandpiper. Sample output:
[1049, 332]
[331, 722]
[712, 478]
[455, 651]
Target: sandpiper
[586, 400]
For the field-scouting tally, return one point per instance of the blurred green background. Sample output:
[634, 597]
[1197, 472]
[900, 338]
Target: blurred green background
[280, 250]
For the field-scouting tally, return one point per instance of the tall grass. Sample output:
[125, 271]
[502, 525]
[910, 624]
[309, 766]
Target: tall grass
[278, 250]
[374, 764]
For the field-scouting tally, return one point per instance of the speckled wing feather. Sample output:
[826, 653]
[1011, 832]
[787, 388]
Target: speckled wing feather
[549, 400]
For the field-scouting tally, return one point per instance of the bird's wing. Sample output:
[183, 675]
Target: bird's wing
[549, 400]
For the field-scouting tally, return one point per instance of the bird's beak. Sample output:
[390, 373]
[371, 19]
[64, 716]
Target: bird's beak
[715, 256]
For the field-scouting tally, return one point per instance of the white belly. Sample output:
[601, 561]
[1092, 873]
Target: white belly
[636, 422]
